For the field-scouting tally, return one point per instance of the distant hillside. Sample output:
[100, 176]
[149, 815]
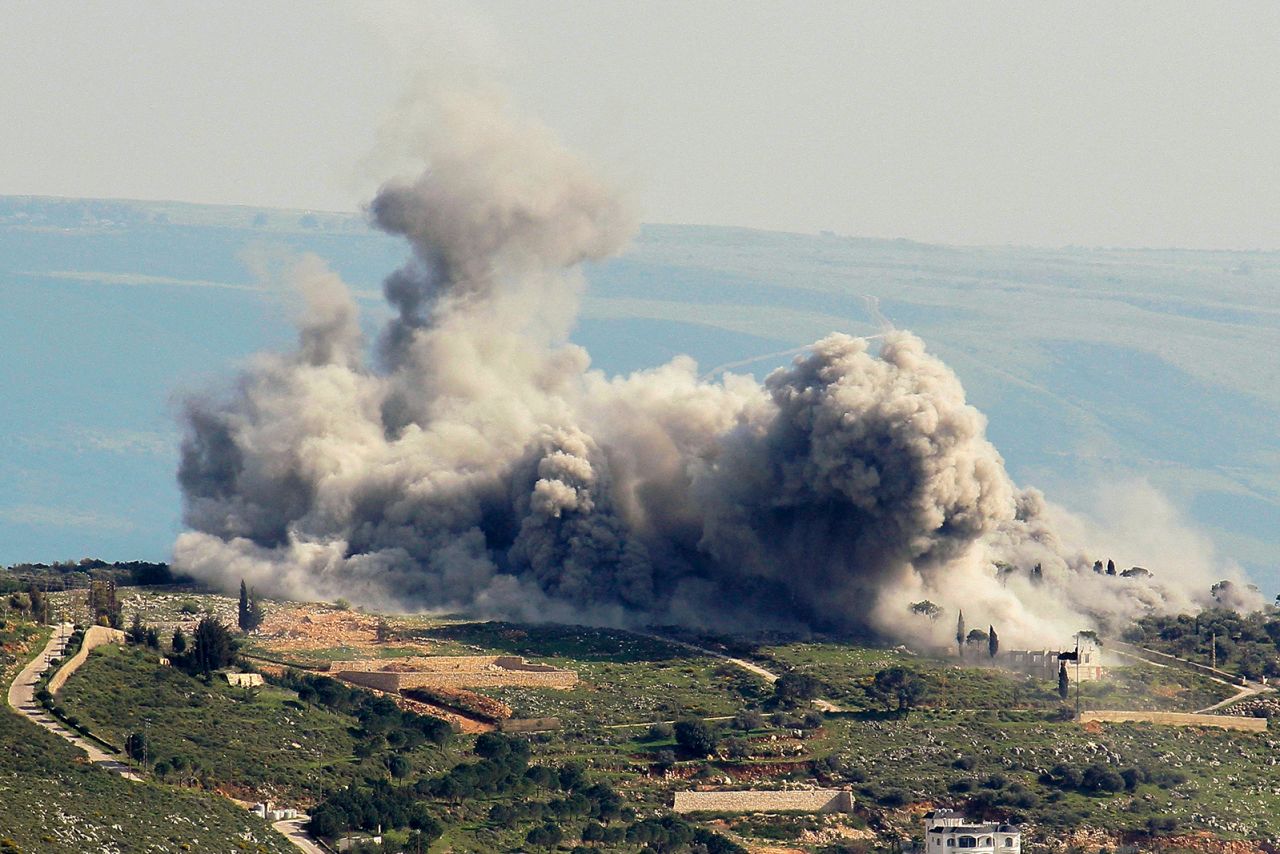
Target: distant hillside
[1093, 365]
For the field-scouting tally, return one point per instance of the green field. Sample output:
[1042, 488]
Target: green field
[255, 742]
[847, 671]
[982, 739]
[53, 802]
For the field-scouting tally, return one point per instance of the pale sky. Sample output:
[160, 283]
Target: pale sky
[1120, 124]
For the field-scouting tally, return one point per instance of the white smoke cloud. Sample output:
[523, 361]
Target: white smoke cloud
[479, 463]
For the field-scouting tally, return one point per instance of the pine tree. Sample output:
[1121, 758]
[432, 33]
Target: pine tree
[179, 643]
[993, 642]
[213, 648]
[1064, 683]
[960, 633]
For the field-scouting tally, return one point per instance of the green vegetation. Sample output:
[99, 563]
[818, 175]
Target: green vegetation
[848, 674]
[1245, 644]
[504, 803]
[263, 740]
[53, 802]
[916, 728]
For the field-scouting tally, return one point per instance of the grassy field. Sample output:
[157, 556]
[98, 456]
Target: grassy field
[53, 802]
[254, 742]
[847, 672]
[982, 739]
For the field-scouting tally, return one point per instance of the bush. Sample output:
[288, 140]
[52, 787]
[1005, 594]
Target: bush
[893, 798]
[695, 737]
[546, 836]
[661, 732]
[1100, 778]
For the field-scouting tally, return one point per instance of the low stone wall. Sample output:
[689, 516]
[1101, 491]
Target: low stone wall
[389, 682]
[94, 636]
[499, 678]
[529, 724]
[496, 678]
[1177, 719]
[452, 671]
[803, 800]
[420, 664]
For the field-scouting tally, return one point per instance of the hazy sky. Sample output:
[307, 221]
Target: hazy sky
[1139, 124]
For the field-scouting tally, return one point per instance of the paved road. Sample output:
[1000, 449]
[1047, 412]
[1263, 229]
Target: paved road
[22, 699]
[293, 830]
[1244, 688]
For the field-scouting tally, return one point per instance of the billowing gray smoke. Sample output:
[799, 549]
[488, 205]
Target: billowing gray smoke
[478, 463]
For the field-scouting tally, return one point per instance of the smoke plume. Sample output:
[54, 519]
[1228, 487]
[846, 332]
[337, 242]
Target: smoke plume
[471, 459]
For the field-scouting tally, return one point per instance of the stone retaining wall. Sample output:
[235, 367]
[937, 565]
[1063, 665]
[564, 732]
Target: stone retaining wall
[1178, 719]
[497, 678]
[803, 800]
[529, 724]
[452, 671]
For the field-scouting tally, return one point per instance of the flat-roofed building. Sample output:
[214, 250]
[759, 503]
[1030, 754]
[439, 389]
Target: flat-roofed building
[945, 831]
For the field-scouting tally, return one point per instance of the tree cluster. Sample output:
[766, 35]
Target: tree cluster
[383, 724]
[1248, 644]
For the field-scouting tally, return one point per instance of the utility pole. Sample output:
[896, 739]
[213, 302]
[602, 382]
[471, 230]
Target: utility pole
[1077, 676]
[1213, 653]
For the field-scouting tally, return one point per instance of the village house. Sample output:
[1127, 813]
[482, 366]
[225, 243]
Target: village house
[947, 830]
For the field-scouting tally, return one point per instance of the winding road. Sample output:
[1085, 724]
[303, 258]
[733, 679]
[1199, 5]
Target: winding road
[22, 699]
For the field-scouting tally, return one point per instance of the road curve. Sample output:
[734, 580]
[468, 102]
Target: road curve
[22, 700]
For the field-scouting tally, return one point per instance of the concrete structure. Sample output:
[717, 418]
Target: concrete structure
[451, 671]
[799, 800]
[1178, 719]
[945, 831]
[264, 810]
[244, 680]
[528, 724]
[1043, 663]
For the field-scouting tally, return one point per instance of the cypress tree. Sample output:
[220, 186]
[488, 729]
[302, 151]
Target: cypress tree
[993, 642]
[960, 634]
[246, 615]
[1064, 683]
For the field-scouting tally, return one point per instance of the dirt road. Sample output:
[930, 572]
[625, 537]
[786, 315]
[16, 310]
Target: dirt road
[749, 666]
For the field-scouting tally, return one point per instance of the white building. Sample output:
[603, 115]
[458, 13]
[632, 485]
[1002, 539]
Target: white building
[947, 830]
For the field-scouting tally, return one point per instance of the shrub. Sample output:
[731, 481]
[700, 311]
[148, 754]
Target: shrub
[893, 798]
[661, 732]
[695, 737]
